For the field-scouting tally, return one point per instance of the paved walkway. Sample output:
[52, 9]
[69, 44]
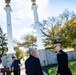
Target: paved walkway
[23, 70]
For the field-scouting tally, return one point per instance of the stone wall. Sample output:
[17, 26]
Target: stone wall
[71, 55]
[42, 56]
[7, 60]
[48, 57]
[51, 57]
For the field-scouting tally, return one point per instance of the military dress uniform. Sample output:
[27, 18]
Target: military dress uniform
[62, 59]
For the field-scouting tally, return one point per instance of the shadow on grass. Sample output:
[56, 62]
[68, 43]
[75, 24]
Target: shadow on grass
[72, 66]
[51, 69]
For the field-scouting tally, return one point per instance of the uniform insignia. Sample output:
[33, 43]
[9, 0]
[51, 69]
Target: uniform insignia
[58, 52]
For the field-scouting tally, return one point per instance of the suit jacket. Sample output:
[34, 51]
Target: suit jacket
[33, 67]
[62, 59]
[15, 64]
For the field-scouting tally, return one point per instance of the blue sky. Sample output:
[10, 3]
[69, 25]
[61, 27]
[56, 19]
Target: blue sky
[58, 6]
[22, 15]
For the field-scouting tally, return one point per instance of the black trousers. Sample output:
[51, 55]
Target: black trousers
[17, 72]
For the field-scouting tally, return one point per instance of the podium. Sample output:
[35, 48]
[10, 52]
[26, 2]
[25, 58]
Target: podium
[5, 71]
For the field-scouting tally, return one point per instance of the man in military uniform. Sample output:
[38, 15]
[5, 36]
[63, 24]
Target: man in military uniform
[62, 59]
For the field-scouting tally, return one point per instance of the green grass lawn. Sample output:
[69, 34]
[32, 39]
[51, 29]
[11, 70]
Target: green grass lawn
[51, 69]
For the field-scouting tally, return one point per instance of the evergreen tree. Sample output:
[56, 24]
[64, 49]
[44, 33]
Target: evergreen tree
[3, 43]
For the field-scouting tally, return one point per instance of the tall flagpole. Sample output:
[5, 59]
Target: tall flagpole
[41, 50]
[37, 25]
[9, 27]
[11, 51]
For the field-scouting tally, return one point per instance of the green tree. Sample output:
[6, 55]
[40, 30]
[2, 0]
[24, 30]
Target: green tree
[51, 29]
[66, 19]
[48, 30]
[66, 16]
[69, 33]
[19, 53]
[3, 43]
[29, 40]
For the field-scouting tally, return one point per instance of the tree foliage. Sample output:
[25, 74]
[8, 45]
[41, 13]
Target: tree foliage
[48, 30]
[3, 43]
[69, 36]
[19, 53]
[29, 40]
[61, 28]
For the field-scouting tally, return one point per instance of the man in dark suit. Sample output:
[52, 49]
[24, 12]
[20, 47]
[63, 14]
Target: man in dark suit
[62, 59]
[16, 65]
[32, 64]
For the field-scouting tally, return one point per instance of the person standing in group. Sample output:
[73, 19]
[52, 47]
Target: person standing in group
[32, 64]
[1, 66]
[16, 65]
[62, 59]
